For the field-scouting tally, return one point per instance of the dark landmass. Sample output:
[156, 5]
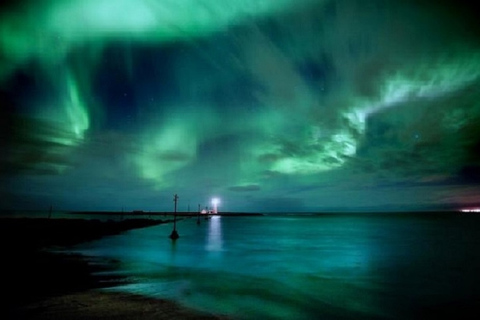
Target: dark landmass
[164, 213]
[387, 213]
[239, 214]
[41, 284]
[35, 233]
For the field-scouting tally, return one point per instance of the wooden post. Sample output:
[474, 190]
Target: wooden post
[174, 235]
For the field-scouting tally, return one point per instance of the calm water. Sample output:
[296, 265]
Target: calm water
[306, 267]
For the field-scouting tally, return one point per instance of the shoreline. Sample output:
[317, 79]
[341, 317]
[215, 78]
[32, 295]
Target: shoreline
[95, 304]
[167, 213]
[43, 284]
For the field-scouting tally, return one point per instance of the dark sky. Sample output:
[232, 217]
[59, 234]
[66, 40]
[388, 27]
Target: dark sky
[272, 105]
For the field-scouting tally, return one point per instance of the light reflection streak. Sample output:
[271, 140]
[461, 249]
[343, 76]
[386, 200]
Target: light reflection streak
[215, 238]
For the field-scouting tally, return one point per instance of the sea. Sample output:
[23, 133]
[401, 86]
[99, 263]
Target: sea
[319, 266]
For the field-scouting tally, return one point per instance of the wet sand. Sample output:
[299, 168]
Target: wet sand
[41, 284]
[104, 305]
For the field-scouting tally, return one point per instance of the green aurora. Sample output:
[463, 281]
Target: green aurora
[273, 105]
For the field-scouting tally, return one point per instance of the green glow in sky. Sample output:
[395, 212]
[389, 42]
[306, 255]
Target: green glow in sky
[76, 110]
[431, 79]
[168, 150]
[256, 99]
[49, 29]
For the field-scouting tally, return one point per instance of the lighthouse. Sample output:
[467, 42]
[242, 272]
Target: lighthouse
[215, 203]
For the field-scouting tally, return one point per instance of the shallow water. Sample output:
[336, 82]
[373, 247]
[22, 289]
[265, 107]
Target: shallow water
[306, 267]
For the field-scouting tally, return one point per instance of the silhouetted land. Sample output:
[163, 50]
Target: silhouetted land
[41, 284]
[163, 213]
[35, 233]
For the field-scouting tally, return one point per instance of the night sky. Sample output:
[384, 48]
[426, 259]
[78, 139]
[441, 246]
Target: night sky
[270, 105]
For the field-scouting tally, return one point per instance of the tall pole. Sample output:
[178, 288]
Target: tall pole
[174, 235]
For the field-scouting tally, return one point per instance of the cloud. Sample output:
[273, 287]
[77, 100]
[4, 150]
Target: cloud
[248, 96]
[244, 188]
[422, 137]
[51, 29]
[278, 204]
[37, 147]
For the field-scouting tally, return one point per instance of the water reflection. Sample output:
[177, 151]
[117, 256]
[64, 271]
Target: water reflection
[214, 235]
[173, 252]
[304, 268]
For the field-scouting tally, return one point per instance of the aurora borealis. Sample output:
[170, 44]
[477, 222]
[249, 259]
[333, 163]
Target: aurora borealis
[273, 105]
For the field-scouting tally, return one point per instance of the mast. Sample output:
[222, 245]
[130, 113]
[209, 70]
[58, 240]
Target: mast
[174, 235]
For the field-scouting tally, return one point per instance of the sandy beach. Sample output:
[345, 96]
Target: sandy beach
[42, 284]
[105, 305]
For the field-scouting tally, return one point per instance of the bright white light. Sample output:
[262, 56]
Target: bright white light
[215, 202]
